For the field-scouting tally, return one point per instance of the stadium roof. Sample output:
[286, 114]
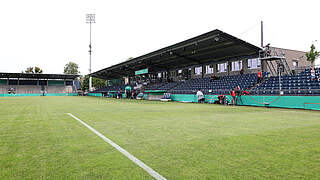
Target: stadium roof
[214, 46]
[37, 76]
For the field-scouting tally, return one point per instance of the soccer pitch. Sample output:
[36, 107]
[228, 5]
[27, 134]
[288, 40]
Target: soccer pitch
[38, 140]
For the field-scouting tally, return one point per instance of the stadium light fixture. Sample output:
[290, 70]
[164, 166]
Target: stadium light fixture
[90, 18]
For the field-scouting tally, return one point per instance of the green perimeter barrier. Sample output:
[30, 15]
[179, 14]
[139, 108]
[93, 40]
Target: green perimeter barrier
[95, 94]
[301, 102]
[155, 91]
[194, 98]
[48, 94]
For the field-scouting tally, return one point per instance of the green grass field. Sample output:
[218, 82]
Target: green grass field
[179, 141]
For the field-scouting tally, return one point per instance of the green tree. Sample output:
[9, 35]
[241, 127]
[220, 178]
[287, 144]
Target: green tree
[37, 70]
[71, 68]
[29, 70]
[33, 70]
[312, 55]
[96, 83]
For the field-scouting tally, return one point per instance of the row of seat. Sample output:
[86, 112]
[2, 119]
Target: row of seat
[109, 88]
[285, 92]
[301, 84]
[35, 89]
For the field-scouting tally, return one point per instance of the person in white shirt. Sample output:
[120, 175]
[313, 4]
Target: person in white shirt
[200, 96]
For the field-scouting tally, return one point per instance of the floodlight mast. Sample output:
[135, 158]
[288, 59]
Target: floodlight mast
[90, 18]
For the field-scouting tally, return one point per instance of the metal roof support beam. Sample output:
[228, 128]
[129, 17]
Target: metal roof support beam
[117, 72]
[180, 45]
[230, 58]
[158, 66]
[103, 74]
[186, 57]
[126, 67]
[220, 47]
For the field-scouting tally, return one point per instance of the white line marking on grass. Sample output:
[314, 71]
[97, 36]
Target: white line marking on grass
[123, 151]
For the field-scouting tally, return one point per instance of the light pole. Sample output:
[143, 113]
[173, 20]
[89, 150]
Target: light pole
[90, 18]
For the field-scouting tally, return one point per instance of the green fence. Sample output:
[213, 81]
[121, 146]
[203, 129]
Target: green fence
[301, 102]
[194, 98]
[49, 94]
[95, 94]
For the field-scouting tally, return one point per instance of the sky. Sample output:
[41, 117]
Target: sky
[49, 34]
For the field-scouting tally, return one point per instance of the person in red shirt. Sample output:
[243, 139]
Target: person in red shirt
[259, 74]
[221, 99]
[238, 90]
[245, 92]
[233, 94]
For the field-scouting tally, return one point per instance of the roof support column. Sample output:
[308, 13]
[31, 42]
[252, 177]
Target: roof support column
[228, 67]
[262, 66]
[203, 69]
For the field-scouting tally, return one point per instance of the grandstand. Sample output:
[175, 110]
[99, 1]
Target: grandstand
[20, 84]
[216, 63]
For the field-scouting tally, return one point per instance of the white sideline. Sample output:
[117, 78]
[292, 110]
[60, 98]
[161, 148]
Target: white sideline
[123, 151]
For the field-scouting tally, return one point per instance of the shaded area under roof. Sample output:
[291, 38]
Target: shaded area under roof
[214, 46]
[37, 76]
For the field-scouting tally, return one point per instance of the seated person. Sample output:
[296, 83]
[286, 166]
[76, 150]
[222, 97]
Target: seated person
[245, 92]
[140, 96]
[222, 100]
[241, 71]
[200, 96]
[212, 78]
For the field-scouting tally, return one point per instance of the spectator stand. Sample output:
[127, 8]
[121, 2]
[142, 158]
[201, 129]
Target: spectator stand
[24, 84]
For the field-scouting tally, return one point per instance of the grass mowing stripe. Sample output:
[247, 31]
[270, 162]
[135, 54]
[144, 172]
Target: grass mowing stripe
[149, 170]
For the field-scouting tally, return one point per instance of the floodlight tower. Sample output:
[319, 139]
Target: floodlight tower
[90, 18]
